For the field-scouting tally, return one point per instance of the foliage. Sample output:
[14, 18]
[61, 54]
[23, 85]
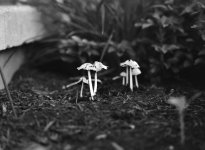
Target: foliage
[173, 35]
[89, 29]
[166, 37]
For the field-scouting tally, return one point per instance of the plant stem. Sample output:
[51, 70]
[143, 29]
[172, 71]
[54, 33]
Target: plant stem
[8, 92]
[136, 81]
[81, 90]
[127, 75]
[181, 121]
[131, 82]
[95, 87]
[90, 84]
[106, 47]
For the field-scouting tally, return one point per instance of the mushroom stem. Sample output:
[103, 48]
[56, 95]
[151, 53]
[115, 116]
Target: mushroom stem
[123, 80]
[81, 90]
[95, 87]
[90, 84]
[127, 70]
[136, 81]
[131, 82]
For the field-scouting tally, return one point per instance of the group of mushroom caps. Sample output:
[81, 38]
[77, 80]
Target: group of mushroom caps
[96, 67]
[132, 69]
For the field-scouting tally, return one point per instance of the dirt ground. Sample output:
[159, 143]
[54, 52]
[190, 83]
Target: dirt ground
[50, 118]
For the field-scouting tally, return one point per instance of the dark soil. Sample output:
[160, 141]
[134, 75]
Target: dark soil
[50, 118]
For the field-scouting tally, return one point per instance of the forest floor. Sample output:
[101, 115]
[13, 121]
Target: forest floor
[50, 118]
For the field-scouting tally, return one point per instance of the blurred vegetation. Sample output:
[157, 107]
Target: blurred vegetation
[165, 37]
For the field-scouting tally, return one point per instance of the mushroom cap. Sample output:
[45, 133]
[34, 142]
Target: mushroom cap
[131, 63]
[99, 66]
[179, 102]
[134, 64]
[124, 64]
[87, 66]
[123, 74]
[136, 71]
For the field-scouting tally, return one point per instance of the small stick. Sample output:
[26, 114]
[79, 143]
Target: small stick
[72, 84]
[8, 92]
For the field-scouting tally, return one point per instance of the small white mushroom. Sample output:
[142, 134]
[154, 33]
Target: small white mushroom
[99, 66]
[135, 73]
[84, 80]
[126, 65]
[123, 75]
[133, 65]
[88, 67]
[129, 64]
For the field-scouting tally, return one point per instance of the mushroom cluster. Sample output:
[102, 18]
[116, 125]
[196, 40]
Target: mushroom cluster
[132, 69]
[96, 67]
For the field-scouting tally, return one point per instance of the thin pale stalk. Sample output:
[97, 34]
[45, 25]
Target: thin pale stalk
[81, 90]
[181, 121]
[90, 84]
[123, 80]
[127, 75]
[8, 92]
[96, 84]
[74, 83]
[131, 82]
[136, 81]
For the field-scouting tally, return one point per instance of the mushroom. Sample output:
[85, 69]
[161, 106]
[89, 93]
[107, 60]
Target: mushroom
[88, 67]
[129, 64]
[98, 66]
[125, 64]
[83, 80]
[133, 65]
[135, 73]
[123, 75]
[181, 104]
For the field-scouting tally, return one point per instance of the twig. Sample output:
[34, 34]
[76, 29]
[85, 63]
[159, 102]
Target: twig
[8, 92]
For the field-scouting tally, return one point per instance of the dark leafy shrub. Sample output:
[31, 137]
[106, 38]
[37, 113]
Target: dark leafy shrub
[172, 38]
[166, 37]
[90, 29]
